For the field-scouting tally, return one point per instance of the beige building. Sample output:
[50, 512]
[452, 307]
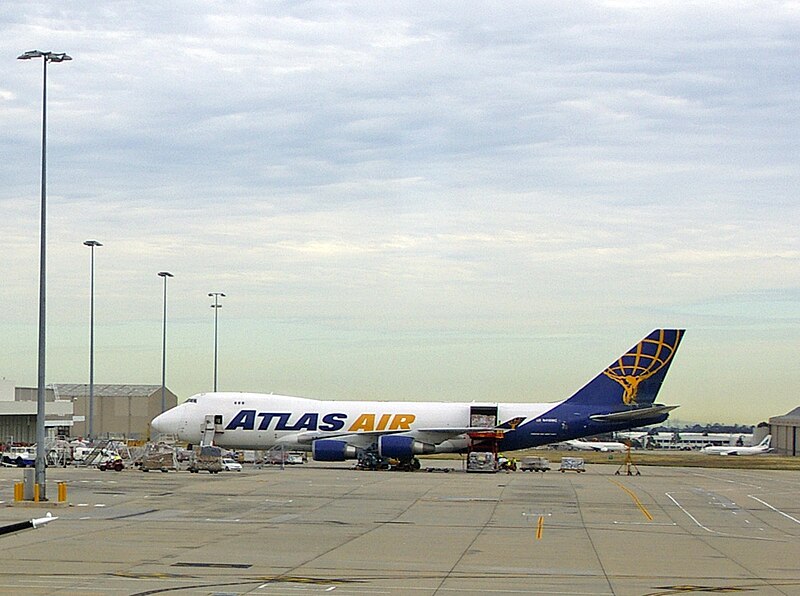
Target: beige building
[18, 408]
[119, 410]
[786, 433]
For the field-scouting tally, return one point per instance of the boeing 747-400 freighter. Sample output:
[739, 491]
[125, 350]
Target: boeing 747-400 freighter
[620, 397]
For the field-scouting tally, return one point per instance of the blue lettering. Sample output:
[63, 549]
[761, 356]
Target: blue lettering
[266, 418]
[333, 422]
[245, 419]
[306, 421]
[283, 419]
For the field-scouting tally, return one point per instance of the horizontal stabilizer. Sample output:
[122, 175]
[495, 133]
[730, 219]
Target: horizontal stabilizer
[634, 414]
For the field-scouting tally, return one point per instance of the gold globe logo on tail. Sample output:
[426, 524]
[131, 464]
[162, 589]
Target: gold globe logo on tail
[643, 361]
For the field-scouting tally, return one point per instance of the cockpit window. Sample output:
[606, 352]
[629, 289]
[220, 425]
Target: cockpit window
[191, 400]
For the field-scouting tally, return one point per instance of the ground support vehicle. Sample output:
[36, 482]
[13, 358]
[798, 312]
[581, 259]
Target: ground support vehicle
[20, 456]
[278, 456]
[482, 461]
[483, 453]
[208, 458]
[574, 464]
[534, 464]
[162, 460]
[114, 463]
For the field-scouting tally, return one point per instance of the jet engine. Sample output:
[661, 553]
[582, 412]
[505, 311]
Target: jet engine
[402, 448]
[332, 450]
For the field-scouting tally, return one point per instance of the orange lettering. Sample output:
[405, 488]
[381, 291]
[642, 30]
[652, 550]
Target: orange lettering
[402, 422]
[383, 421]
[365, 422]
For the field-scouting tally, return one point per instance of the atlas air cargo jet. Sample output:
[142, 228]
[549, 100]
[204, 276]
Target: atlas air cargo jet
[621, 397]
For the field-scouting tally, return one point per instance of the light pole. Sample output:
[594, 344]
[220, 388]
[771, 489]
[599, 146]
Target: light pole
[216, 306]
[165, 275]
[91, 244]
[40, 392]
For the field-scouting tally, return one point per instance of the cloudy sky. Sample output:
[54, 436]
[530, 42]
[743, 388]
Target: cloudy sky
[411, 200]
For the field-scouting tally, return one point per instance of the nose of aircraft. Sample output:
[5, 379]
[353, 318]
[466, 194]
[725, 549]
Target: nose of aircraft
[164, 423]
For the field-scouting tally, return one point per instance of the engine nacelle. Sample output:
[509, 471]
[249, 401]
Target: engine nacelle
[332, 450]
[399, 447]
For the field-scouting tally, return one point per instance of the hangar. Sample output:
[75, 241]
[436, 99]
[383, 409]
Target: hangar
[786, 432]
[18, 414]
[120, 411]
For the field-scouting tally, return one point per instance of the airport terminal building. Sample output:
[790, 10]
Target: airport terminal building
[786, 433]
[120, 411]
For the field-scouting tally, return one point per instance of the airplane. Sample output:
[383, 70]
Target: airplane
[762, 447]
[31, 524]
[597, 445]
[621, 397]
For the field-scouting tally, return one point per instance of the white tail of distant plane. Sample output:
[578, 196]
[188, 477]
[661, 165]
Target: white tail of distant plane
[762, 447]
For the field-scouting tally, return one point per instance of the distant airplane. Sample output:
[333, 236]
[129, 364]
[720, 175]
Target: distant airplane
[762, 447]
[31, 524]
[597, 445]
[620, 397]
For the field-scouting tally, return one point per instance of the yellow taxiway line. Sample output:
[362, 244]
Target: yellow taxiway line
[635, 500]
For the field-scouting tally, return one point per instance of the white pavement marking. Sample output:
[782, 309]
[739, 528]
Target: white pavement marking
[694, 519]
[736, 482]
[775, 509]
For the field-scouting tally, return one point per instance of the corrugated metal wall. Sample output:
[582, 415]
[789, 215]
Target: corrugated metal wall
[20, 429]
[785, 439]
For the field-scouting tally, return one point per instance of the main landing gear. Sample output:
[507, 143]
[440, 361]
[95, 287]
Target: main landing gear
[369, 459]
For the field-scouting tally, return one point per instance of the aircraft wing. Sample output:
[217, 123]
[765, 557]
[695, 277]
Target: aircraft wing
[433, 435]
[447, 431]
[452, 430]
[311, 436]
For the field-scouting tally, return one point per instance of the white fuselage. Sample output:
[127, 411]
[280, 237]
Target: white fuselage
[603, 446]
[762, 447]
[261, 421]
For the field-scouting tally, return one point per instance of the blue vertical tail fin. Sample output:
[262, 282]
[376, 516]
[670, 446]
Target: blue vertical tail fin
[633, 380]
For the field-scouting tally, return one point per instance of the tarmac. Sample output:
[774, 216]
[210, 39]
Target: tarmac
[328, 529]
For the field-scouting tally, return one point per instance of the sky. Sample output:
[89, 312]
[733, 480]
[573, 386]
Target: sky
[450, 201]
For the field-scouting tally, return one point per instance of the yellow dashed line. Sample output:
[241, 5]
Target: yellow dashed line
[540, 528]
[635, 500]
